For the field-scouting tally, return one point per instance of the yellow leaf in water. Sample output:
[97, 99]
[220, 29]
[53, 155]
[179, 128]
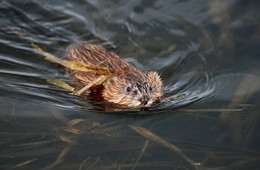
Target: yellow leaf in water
[72, 65]
[101, 79]
[61, 84]
[168, 50]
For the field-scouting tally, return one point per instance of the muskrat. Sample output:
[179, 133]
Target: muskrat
[128, 86]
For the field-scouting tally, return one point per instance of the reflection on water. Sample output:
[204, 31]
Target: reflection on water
[207, 55]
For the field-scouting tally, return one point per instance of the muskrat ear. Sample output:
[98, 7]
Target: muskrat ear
[154, 78]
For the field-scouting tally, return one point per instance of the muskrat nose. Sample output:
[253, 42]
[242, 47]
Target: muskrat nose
[144, 100]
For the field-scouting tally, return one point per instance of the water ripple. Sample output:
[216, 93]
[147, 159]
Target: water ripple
[155, 40]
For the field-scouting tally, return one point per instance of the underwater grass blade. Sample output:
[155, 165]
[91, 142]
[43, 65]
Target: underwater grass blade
[141, 154]
[83, 163]
[60, 117]
[60, 158]
[92, 164]
[248, 86]
[153, 137]
[145, 165]
[76, 121]
[73, 131]
[25, 163]
[34, 144]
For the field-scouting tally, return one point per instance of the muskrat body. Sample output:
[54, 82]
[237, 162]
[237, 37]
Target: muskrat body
[127, 86]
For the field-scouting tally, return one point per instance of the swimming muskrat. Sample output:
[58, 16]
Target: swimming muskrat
[127, 86]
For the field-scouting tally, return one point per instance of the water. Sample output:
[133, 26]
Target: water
[207, 53]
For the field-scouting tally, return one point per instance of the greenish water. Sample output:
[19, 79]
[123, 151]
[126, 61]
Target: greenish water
[206, 50]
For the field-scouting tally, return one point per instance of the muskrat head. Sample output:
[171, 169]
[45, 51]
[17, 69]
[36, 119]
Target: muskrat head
[133, 91]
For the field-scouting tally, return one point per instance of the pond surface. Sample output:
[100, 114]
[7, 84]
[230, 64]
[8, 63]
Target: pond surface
[207, 53]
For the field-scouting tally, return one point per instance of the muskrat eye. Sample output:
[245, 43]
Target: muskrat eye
[150, 88]
[128, 89]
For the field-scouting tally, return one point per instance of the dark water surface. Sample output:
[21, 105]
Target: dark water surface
[207, 53]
